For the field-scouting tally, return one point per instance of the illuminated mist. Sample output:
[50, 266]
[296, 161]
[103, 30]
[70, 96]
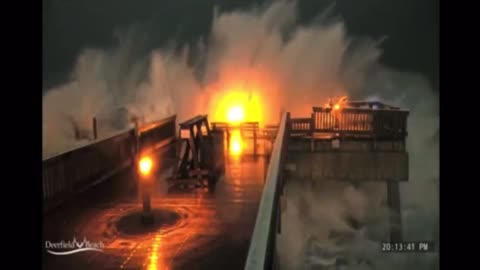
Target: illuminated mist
[264, 62]
[258, 60]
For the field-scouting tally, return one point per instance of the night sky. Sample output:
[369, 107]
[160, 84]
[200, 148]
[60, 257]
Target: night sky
[412, 27]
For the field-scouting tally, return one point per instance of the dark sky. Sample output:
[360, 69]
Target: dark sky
[412, 27]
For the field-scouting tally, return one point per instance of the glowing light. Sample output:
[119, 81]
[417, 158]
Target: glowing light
[336, 107]
[235, 105]
[236, 143]
[145, 165]
[235, 114]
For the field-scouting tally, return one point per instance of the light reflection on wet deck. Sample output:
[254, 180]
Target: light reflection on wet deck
[213, 232]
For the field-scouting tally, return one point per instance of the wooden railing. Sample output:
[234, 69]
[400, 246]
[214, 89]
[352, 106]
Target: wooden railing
[65, 173]
[249, 130]
[347, 120]
[363, 122]
[78, 169]
[302, 125]
[157, 134]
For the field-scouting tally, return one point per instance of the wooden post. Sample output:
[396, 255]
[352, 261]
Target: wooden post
[311, 132]
[228, 138]
[393, 199]
[254, 140]
[95, 135]
[374, 130]
[137, 136]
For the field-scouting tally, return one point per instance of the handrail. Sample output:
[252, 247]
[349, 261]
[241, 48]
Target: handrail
[73, 170]
[355, 109]
[364, 122]
[110, 136]
[260, 253]
[195, 120]
[124, 132]
[154, 124]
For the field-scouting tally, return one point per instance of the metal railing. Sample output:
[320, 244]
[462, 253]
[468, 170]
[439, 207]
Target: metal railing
[80, 168]
[261, 253]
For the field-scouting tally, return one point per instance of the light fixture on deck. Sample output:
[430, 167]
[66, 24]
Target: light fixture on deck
[145, 165]
[145, 169]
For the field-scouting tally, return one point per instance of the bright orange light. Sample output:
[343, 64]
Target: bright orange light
[336, 107]
[235, 114]
[236, 143]
[236, 105]
[145, 165]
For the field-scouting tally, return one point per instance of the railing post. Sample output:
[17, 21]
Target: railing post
[137, 137]
[312, 125]
[254, 141]
[312, 132]
[94, 123]
[374, 129]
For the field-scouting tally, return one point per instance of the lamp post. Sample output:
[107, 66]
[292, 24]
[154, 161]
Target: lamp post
[145, 168]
